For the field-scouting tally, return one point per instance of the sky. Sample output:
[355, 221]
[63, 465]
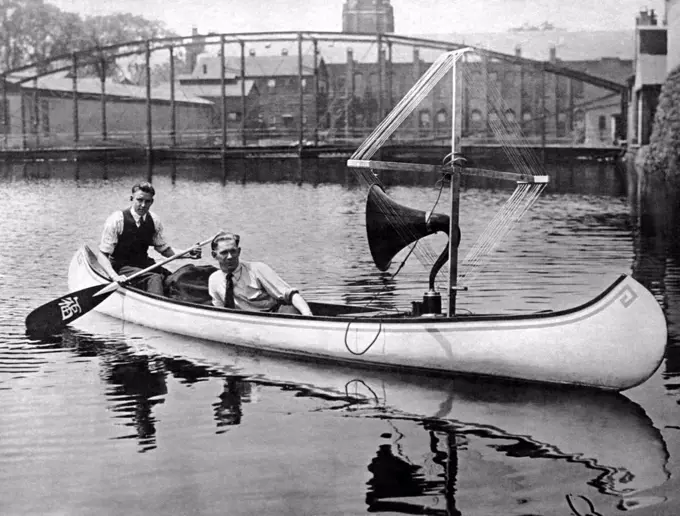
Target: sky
[412, 17]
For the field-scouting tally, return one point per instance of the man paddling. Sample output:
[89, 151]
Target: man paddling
[126, 239]
[249, 285]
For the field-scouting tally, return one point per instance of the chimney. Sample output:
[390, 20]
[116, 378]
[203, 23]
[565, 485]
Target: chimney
[646, 18]
[518, 50]
[251, 52]
[284, 51]
[194, 31]
[553, 53]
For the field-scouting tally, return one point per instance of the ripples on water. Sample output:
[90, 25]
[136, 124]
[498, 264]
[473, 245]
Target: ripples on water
[115, 419]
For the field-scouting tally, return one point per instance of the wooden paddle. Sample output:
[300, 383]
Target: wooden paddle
[55, 315]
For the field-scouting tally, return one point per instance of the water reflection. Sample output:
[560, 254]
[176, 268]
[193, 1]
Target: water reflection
[657, 261]
[398, 486]
[435, 425]
[229, 408]
[575, 176]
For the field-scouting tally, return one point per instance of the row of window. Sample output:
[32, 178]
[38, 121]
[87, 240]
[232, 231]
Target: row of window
[362, 86]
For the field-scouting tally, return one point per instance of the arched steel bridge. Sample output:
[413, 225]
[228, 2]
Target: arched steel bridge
[27, 95]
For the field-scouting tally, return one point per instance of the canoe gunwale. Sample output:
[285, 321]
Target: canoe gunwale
[398, 317]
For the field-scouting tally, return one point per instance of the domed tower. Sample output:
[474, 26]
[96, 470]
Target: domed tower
[367, 16]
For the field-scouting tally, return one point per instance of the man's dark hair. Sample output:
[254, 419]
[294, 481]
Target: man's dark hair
[225, 236]
[145, 187]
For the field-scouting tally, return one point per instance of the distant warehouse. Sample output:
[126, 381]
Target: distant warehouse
[51, 112]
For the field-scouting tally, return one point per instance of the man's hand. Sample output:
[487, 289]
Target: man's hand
[195, 253]
[119, 278]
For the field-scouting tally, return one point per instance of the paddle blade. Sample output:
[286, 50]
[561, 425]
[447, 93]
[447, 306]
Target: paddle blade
[55, 315]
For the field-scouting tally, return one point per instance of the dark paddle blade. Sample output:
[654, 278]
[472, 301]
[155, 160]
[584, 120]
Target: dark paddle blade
[55, 315]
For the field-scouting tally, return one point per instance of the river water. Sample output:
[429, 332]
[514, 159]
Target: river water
[111, 418]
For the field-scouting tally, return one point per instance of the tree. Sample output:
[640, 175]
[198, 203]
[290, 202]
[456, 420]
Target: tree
[661, 158]
[32, 31]
[103, 31]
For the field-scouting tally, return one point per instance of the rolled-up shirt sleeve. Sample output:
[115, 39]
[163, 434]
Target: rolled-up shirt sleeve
[216, 287]
[112, 228]
[273, 283]
[159, 242]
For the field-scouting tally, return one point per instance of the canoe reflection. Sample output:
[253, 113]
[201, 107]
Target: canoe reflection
[604, 432]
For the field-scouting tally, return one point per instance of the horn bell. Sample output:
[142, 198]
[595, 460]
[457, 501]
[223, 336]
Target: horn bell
[390, 226]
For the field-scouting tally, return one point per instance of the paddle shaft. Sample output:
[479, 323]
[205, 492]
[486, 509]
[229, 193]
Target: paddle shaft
[113, 286]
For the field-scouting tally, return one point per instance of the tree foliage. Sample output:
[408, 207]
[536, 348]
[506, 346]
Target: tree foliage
[661, 158]
[32, 31]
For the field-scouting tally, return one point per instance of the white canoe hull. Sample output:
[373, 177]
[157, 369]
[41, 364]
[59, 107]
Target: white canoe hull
[614, 342]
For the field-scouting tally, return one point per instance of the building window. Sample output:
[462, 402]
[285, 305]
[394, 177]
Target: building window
[577, 89]
[440, 120]
[476, 121]
[424, 122]
[561, 124]
[4, 117]
[602, 126]
[358, 84]
[45, 116]
[653, 41]
[287, 121]
[304, 84]
[372, 84]
[526, 121]
[475, 81]
[271, 84]
[510, 116]
[272, 120]
[494, 120]
[205, 69]
[233, 116]
[602, 123]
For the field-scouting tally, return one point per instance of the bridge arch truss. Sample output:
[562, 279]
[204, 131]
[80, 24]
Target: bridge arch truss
[328, 88]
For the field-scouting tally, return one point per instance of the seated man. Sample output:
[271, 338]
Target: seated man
[127, 236]
[249, 285]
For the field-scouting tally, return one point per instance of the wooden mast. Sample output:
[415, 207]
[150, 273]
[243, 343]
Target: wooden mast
[454, 202]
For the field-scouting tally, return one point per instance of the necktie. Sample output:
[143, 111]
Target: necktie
[229, 292]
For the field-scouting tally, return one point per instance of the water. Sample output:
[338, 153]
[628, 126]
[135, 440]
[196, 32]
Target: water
[110, 418]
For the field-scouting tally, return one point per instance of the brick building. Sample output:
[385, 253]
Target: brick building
[281, 84]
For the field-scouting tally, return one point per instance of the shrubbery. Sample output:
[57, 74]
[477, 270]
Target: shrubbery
[661, 158]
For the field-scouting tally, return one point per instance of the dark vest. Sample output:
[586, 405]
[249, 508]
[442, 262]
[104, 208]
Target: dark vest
[134, 242]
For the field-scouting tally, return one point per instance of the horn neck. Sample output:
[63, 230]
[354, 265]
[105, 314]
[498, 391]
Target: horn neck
[390, 227]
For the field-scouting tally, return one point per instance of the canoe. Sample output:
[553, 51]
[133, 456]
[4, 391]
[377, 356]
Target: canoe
[605, 432]
[613, 342]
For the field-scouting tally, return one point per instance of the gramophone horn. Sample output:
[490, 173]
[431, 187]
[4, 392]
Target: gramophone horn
[390, 227]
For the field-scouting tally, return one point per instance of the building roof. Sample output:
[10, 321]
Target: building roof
[231, 89]
[255, 66]
[92, 85]
[569, 46]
